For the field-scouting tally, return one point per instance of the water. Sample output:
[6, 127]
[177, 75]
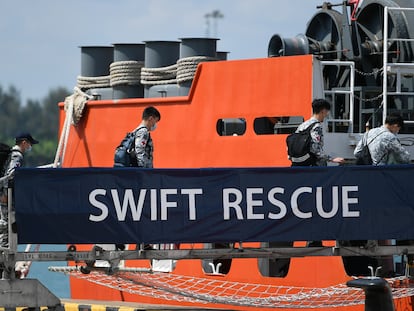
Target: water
[56, 282]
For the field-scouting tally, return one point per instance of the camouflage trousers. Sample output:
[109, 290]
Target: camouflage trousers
[4, 221]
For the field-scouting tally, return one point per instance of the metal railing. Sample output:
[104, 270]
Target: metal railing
[349, 92]
[394, 68]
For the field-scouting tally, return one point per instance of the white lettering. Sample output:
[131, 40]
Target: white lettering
[251, 203]
[165, 204]
[294, 202]
[319, 204]
[227, 204]
[276, 202]
[191, 201]
[94, 202]
[153, 204]
[347, 200]
[128, 201]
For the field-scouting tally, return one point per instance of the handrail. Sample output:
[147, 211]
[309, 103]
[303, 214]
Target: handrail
[387, 65]
[351, 91]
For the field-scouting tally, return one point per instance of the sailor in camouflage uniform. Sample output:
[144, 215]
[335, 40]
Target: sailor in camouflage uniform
[24, 142]
[386, 149]
[144, 146]
[383, 144]
[320, 109]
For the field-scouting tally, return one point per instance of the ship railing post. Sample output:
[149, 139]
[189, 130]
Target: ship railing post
[12, 222]
[384, 70]
[9, 252]
[350, 92]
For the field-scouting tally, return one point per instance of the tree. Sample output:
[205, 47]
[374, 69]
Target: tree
[9, 112]
[45, 126]
[40, 118]
[51, 112]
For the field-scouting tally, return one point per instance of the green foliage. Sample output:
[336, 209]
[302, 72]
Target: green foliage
[40, 118]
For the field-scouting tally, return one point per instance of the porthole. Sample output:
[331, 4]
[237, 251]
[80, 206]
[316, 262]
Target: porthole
[231, 126]
[276, 125]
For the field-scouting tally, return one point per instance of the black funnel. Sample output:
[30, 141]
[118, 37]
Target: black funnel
[378, 296]
[284, 47]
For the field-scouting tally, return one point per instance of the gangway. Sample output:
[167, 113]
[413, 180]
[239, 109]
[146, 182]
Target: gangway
[345, 213]
[357, 194]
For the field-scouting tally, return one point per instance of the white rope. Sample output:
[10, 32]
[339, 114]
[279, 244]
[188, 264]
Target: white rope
[157, 76]
[85, 83]
[62, 139]
[187, 67]
[125, 72]
[183, 70]
[67, 130]
[74, 106]
[78, 99]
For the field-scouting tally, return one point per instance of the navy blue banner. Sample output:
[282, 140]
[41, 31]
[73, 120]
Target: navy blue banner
[128, 205]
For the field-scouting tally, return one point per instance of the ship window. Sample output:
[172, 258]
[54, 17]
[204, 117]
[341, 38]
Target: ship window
[276, 125]
[231, 126]
[274, 267]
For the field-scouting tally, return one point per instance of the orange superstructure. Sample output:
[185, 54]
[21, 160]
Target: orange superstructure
[187, 134]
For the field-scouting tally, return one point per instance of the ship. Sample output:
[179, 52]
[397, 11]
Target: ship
[218, 113]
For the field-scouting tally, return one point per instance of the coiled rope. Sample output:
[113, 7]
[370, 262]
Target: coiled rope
[133, 72]
[183, 70]
[187, 67]
[85, 83]
[74, 106]
[161, 75]
[125, 72]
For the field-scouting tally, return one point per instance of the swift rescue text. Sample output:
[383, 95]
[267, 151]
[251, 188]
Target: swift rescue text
[240, 204]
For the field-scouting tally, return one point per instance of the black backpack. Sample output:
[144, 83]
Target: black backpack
[364, 156]
[125, 152]
[298, 147]
[5, 151]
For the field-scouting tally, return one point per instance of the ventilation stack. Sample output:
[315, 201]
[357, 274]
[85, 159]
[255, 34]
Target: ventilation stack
[222, 55]
[125, 71]
[94, 78]
[192, 52]
[159, 76]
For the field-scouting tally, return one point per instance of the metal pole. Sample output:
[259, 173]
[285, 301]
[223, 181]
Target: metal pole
[12, 220]
[351, 97]
[384, 70]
